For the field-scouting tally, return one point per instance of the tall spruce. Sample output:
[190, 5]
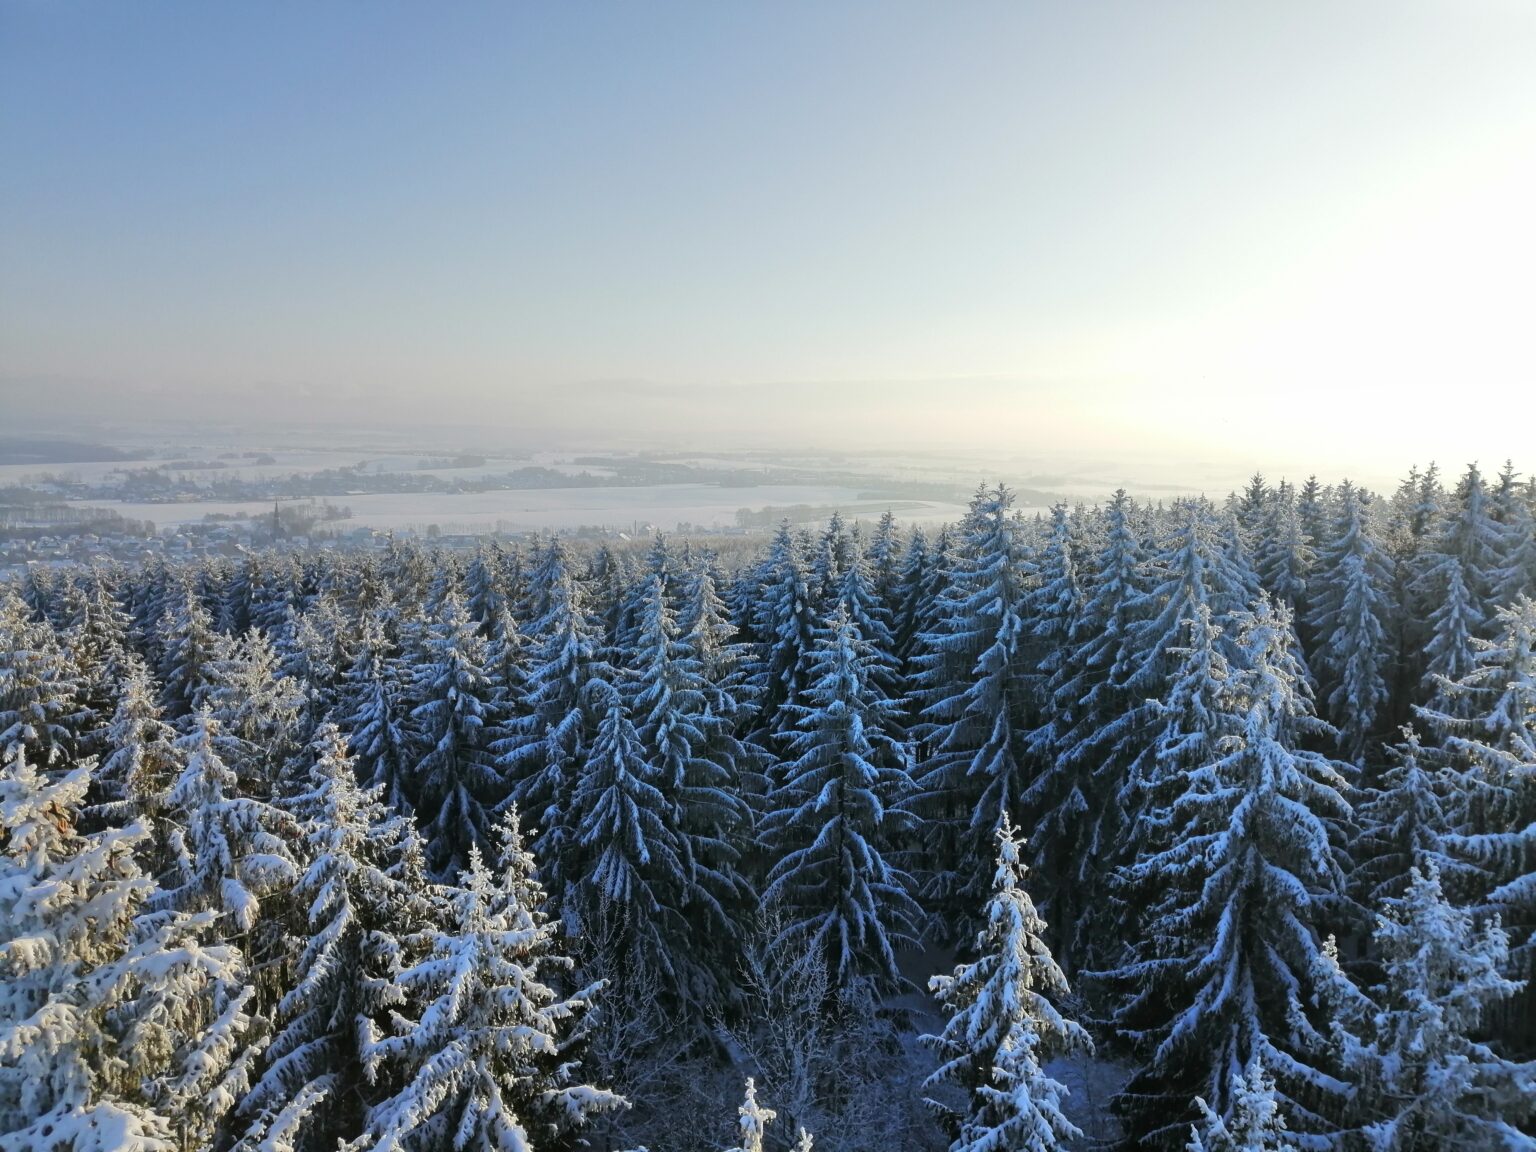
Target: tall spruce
[373, 711]
[1489, 743]
[189, 649]
[1227, 973]
[455, 786]
[229, 850]
[140, 757]
[627, 876]
[1403, 823]
[1283, 553]
[1004, 1025]
[684, 725]
[540, 750]
[118, 1028]
[42, 706]
[362, 891]
[481, 1052]
[785, 622]
[1424, 1080]
[835, 815]
[1351, 621]
[1516, 574]
[974, 683]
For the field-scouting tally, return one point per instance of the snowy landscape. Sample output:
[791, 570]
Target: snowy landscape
[750, 577]
[1192, 824]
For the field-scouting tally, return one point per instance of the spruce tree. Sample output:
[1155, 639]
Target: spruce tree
[481, 1052]
[608, 581]
[1062, 800]
[1190, 723]
[884, 559]
[1403, 822]
[67, 904]
[1086, 687]
[95, 634]
[1350, 618]
[974, 683]
[856, 595]
[229, 850]
[685, 734]
[1255, 1122]
[835, 815]
[1312, 509]
[1227, 971]
[1283, 554]
[539, 751]
[1052, 606]
[834, 553]
[118, 1029]
[1424, 1081]
[1075, 800]
[141, 759]
[373, 712]
[41, 691]
[37, 591]
[1192, 566]
[277, 594]
[786, 623]
[1516, 572]
[1470, 536]
[189, 649]
[1490, 745]
[1456, 572]
[506, 663]
[1430, 506]
[1422, 502]
[235, 602]
[1453, 626]
[915, 587]
[147, 592]
[363, 889]
[1005, 1024]
[312, 654]
[484, 595]
[626, 876]
[257, 711]
[455, 787]
[660, 564]
[1251, 508]
[711, 641]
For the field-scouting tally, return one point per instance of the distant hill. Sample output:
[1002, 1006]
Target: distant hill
[29, 450]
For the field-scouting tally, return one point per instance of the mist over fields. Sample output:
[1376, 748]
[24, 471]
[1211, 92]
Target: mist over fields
[1091, 437]
[522, 477]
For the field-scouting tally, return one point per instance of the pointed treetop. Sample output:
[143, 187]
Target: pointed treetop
[1253, 1122]
[754, 1121]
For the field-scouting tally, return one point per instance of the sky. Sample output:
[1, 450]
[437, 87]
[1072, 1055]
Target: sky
[1263, 228]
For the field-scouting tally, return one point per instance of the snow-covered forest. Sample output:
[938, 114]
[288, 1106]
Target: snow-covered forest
[874, 838]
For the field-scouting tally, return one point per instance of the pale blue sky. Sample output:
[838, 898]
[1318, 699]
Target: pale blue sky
[1083, 206]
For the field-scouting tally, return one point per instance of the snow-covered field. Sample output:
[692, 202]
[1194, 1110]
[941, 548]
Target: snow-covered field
[663, 506]
[1079, 476]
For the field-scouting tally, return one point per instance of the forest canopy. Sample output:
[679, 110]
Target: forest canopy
[912, 832]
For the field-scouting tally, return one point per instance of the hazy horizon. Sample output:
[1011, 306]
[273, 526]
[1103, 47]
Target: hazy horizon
[1262, 232]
